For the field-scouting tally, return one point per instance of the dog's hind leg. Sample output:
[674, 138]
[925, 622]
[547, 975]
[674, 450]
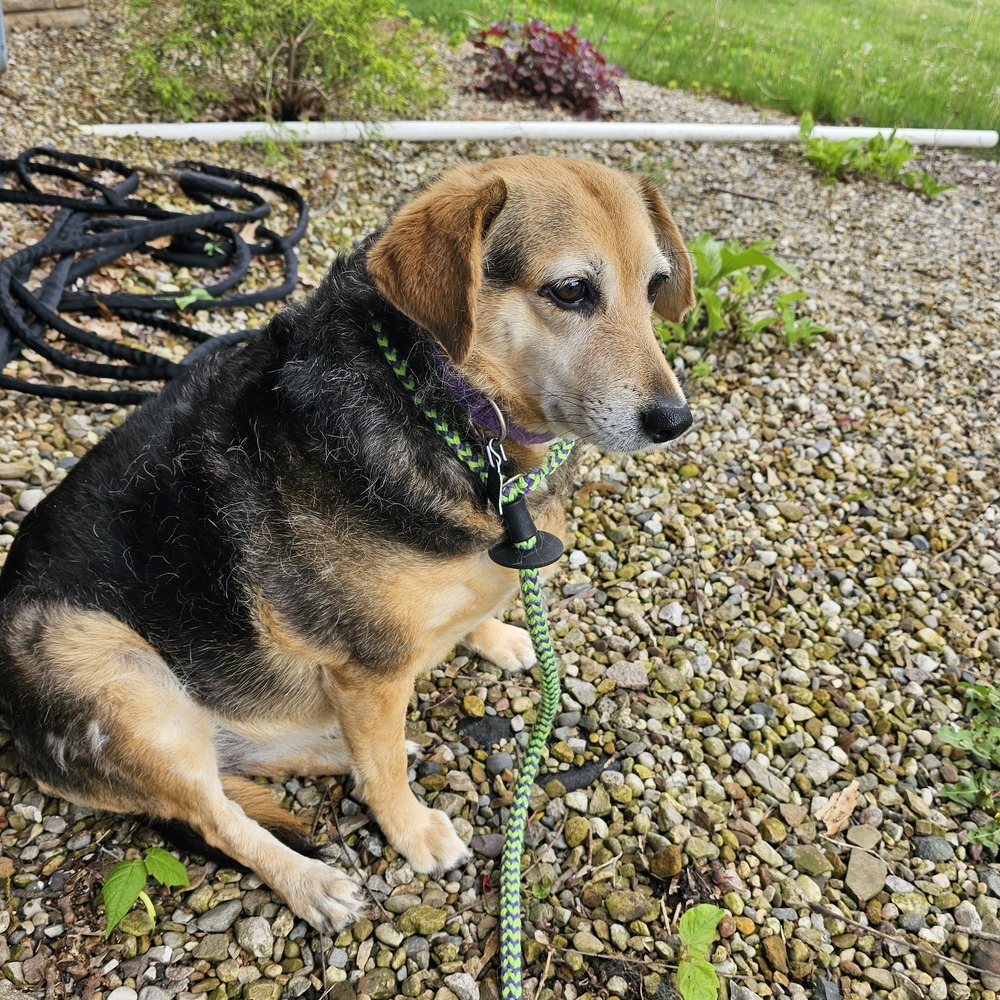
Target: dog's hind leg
[134, 741]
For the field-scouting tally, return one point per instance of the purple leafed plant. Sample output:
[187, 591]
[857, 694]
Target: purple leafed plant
[535, 61]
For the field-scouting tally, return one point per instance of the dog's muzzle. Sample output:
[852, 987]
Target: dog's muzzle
[665, 420]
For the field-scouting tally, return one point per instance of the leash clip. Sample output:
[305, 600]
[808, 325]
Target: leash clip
[495, 457]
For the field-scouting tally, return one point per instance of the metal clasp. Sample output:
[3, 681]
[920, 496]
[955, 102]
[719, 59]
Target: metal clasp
[495, 457]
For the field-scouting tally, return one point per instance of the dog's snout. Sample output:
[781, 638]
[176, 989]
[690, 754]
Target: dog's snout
[664, 421]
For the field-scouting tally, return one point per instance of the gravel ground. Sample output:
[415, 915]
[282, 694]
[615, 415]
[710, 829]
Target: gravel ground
[770, 616]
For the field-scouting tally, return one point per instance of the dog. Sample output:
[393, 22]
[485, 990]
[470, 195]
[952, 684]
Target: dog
[246, 577]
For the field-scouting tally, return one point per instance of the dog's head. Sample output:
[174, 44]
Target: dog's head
[538, 275]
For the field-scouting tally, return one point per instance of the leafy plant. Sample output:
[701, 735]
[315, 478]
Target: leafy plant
[878, 156]
[537, 62]
[982, 739]
[696, 976]
[727, 279]
[126, 883]
[282, 60]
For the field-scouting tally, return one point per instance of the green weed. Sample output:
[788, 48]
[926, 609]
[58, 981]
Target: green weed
[880, 156]
[126, 883]
[696, 976]
[728, 280]
[981, 738]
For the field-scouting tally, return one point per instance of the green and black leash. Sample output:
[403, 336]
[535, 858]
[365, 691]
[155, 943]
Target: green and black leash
[525, 549]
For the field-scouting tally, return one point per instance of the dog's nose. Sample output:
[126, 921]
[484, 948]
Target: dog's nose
[665, 421]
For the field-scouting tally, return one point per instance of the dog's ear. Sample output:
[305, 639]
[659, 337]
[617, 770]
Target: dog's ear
[676, 296]
[429, 261]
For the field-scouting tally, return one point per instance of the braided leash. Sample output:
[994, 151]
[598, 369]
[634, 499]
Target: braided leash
[509, 491]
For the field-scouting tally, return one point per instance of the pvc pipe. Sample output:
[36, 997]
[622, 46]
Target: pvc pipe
[451, 131]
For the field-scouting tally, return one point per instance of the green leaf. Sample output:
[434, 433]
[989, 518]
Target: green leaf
[194, 295]
[957, 738]
[124, 883]
[148, 903]
[697, 927]
[697, 980]
[165, 868]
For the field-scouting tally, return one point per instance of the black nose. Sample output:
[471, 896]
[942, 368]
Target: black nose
[665, 421]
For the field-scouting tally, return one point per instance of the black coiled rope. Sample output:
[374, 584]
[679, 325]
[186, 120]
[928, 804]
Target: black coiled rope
[92, 231]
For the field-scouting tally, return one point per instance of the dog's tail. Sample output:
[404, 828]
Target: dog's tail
[258, 802]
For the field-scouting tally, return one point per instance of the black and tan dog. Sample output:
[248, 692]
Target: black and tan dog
[247, 576]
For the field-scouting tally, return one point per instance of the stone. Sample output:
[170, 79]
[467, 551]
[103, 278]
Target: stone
[220, 918]
[866, 875]
[587, 943]
[932, 848]
[30, 499]
[863, 835]
[624, 906]
[497, 763]
[810, 860]
[213, 948]
[123, 993]
[775, 953]
[422, 920]
[262, 989]
[254, 935]
[826, 989]
[462, 985]
[631, 676]
[379, 984]
[489, 845]
[668, 862]
[473, 706]
[576, 831]
[672, 613]
[773, 830]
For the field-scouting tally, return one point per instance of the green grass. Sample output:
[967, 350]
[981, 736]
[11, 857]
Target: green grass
[921, 63]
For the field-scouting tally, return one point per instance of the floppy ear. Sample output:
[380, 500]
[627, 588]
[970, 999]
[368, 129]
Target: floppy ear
[676, 296]
[429, 261]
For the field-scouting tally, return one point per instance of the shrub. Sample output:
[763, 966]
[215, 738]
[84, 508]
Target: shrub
[536, 62]
[280, 60]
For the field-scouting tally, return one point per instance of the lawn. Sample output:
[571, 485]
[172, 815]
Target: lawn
[922, 63]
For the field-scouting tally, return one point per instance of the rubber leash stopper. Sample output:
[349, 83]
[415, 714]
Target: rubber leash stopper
[521, 528]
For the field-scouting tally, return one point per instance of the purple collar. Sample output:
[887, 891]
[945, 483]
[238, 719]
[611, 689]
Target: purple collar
[480, 408]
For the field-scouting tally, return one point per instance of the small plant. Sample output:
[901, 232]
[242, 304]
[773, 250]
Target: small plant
[282, 60]
[727, 277]
[126, 883]
[981, 738]
[536, 62]
[878, 156]
[696, 976]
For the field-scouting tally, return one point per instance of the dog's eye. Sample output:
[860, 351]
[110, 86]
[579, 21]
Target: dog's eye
[655, 284]
[573, 293]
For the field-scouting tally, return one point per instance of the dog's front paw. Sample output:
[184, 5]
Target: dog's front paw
[431, 844]
[508, 646]
[323, 896]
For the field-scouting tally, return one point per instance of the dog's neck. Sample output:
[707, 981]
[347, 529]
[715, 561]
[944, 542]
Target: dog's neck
[479, 407]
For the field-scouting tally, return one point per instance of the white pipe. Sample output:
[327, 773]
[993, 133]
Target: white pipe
[435, 131]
